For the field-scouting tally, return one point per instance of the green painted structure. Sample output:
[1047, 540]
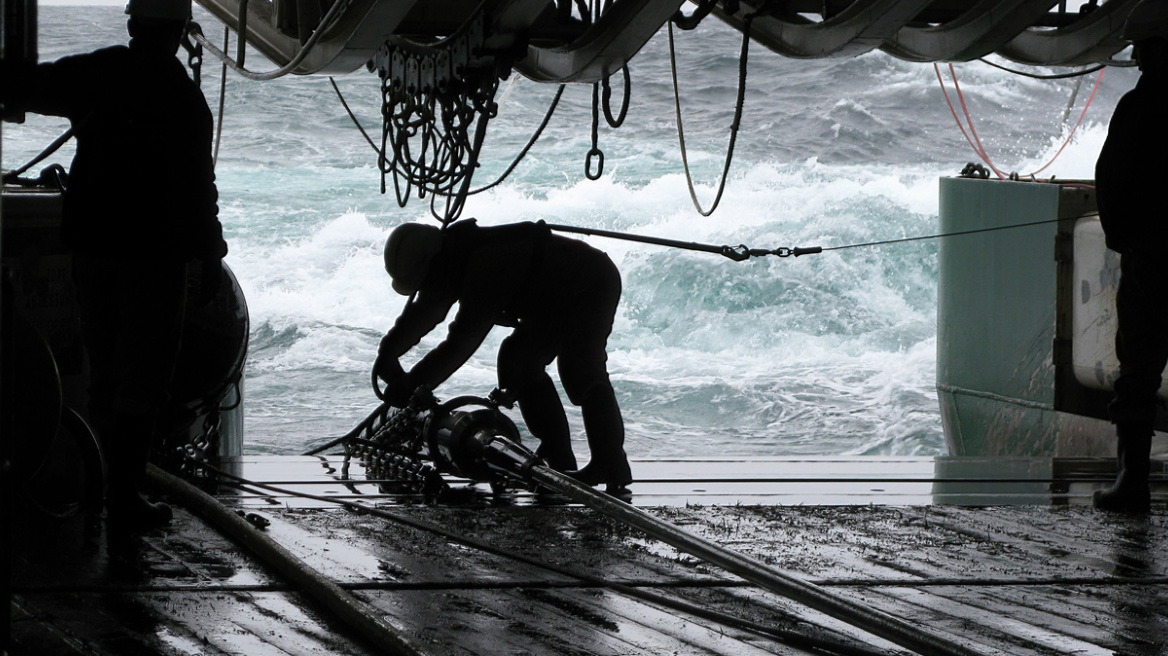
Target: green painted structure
[1006, 295]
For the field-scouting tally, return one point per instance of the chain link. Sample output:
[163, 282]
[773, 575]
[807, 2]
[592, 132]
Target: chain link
[392, 452]
[193, 456]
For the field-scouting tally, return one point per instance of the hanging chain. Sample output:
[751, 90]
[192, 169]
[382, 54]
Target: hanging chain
[389, 444]
[392, 452]
[192, 456]
[595, 153]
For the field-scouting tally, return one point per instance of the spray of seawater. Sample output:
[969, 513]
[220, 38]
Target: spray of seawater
[817, 355]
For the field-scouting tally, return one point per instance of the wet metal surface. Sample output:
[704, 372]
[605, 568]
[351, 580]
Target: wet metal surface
[1050, 578]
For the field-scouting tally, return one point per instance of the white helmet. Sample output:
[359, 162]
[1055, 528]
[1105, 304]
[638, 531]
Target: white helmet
[1148, 20]
[408, 252]
[164, 9]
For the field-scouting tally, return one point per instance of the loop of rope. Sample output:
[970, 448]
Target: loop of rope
[607, 97]
[1056, 76]
[514, 163]
[740, 102]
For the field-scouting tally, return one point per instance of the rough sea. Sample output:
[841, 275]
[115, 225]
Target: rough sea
[827, 354]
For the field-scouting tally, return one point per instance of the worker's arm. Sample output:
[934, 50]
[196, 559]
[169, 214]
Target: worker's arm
[418, 318]
[466, 334]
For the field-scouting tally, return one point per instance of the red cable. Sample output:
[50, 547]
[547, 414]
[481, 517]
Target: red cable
[960, 126]
[969, 119]
[978, 147]
[979, 151]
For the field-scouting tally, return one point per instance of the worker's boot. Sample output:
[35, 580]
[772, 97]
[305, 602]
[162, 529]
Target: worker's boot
[606, 439]
[543, 412]
[1130, 491]
[127, 447]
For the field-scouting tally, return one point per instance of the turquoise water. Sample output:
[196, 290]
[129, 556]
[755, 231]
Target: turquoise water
[822, 354]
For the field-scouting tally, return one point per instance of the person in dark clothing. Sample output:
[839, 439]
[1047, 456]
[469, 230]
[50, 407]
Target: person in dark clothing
[560, 296]
[1135, 224]
[139, 207]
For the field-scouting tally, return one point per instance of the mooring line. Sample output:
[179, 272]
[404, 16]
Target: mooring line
[742, 252]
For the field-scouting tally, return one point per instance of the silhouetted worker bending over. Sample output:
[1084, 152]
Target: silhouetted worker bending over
[560, 296]
[1129, 175]
[139, 205]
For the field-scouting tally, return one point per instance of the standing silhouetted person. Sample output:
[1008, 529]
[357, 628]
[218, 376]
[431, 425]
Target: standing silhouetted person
[1129, 174]
[560, 296]
[139, 206]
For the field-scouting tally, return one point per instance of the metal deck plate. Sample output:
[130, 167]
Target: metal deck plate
[1048, 578]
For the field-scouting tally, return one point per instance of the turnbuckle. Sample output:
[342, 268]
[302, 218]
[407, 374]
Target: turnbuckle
[741, 252]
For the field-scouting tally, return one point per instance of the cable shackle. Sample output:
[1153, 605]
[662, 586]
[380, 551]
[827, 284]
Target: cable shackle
[742, 252]
[797, 251]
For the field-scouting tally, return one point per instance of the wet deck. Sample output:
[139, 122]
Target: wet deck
[1052, 576]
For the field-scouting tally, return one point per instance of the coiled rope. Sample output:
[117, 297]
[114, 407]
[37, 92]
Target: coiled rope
[514, 163]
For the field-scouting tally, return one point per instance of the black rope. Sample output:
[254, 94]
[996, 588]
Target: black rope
[222, 96]
[619, 119]
[736, 253]
[49, 150]
[530, 144]
[739, 103]
[1055, 76]
[353, 117]
[951, 234]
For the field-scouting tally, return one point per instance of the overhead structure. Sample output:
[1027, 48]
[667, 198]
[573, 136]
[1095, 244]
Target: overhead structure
[587, 40]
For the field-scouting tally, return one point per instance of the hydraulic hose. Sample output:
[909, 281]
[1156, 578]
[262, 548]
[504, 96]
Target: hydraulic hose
[341, 603]
[869, 619]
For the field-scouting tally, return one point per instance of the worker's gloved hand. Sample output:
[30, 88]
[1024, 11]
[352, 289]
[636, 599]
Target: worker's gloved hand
[388, 368]
[398, 393]
[210, 279]
[397, 388]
